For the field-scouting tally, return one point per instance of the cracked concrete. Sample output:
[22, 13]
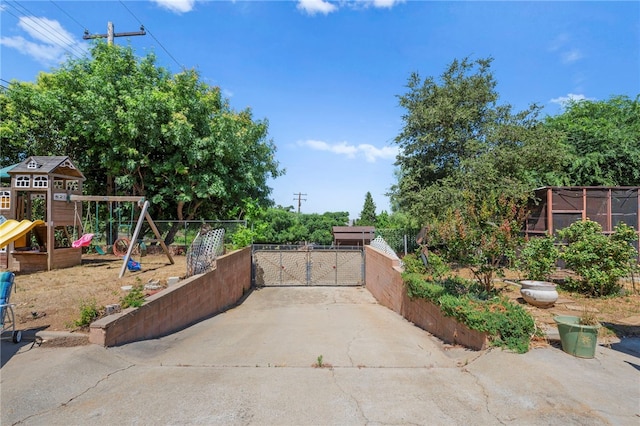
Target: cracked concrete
[253, 365]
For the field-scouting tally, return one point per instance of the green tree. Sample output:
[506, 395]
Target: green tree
[604, 137]
[134, 128]
[457, 139]
[368, 214]
[281, 225]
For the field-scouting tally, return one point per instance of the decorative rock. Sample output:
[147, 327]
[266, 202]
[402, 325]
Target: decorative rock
[541, 294]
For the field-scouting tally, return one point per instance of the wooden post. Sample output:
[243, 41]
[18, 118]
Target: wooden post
[550, 210]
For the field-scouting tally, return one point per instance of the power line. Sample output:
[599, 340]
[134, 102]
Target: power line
[70, 17]
[38, 26]
[152, 36]
[60, 39]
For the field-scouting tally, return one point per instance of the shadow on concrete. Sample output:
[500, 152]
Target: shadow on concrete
[636, 366]
[29, 339]
[628, 345]
[629, 336]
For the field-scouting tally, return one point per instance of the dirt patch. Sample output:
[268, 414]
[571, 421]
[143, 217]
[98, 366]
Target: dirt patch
[52, 300]
[620, 316]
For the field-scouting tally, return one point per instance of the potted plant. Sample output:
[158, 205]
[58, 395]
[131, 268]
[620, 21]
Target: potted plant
[578, 335]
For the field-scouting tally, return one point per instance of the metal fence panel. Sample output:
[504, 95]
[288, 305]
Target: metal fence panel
[296, 266]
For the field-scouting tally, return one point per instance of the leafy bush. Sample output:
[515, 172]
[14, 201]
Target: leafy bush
[600, 261]
[413, 264]
[482, 236]
[242, 237]
[538, 257]
[437, 267]
[134, 298]
[417, 287]
[89, 312]
[507, 324]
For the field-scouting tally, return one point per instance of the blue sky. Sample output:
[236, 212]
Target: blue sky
[326, 74]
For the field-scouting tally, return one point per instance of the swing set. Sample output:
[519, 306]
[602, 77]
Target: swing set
[118, 245]
[121, 244]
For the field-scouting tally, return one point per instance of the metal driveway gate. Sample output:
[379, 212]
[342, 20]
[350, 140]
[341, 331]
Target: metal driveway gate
[278, 265]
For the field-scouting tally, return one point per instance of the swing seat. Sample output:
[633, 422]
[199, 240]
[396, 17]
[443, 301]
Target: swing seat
[83, 241]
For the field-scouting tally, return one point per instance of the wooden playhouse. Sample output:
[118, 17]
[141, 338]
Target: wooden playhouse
[38, 198]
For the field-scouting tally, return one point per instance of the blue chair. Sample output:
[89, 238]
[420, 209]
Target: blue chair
[7, 317]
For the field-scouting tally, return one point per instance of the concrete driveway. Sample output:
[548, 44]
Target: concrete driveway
[254, 364]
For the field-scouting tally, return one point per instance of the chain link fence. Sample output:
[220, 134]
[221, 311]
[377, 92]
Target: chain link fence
[402, 241]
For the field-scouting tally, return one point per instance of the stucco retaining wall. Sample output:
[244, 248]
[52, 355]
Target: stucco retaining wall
[384, 280]
[180, 305]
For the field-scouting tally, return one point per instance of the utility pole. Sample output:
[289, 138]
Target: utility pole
[111, 34]
[300, 200]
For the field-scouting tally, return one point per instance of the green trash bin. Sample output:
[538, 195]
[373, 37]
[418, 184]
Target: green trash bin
[577, 339]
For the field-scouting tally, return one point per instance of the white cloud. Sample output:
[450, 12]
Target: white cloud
[312, 7]
[51, 42]
[386, 3]
[571, 56]
[325, 7]
[46, 30]
[559, 42]
[571, 97]
[370, 152]
[177, 6]
[563, 46]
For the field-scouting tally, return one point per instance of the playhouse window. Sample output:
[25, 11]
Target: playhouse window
[5, 200]
[58, 184]
[23, 181]
[32, 164]
[72, 185]
[41, 182]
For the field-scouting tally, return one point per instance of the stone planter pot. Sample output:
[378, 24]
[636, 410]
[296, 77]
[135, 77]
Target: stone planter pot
[577, 339]
[541, 294]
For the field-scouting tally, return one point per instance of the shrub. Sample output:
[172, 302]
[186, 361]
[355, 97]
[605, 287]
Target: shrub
[538, 257]
[482, 236]
[89, 312]
[417, 287]
[413, 264]
[600, 261]
[134, 298]
[437, 267]
[507, 324]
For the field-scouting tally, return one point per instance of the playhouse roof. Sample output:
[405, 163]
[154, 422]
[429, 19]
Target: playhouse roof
[60, 165]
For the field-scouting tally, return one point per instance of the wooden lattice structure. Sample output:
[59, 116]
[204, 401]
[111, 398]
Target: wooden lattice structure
[558, 207]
